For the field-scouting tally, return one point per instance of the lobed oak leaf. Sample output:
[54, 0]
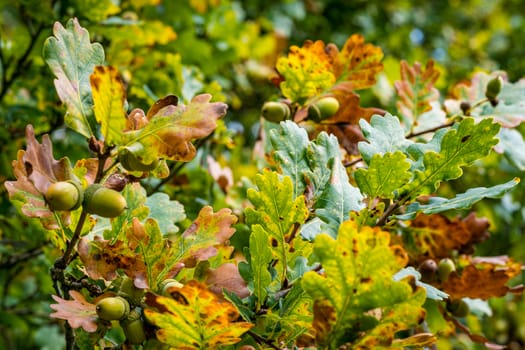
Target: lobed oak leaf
[35, 170]
[483, 279]
[436, 236]
[194, 318]
[172, 127]
[416, 90]
[109, 98]
[357, 303]
[307, 71]
[72, 58]
[78, 312]
[357, 62]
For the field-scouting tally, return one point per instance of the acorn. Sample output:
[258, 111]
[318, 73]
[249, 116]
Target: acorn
[133, 327]
[493, 88]
[275, 111]
[323, 108]
[129, 157]
[103, 201]
[112, 308]
[445, 268]
[64, 195]
[458, 308]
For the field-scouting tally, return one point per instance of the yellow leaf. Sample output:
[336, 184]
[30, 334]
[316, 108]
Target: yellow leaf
[307, 71]
[109, 98]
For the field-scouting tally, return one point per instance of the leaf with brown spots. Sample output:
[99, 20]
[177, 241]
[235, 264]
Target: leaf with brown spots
[483, 278]
[416, 90]
[147, 257]
[194, 318]
[357, 62]
[436, 236]
[109, 98]
[35, 170]
[172, 127]
[357, 303]
[307, 71]
[78, 312]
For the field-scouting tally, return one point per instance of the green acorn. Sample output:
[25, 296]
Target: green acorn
[64, 195]
[103, 201]
[133, 327]
[493, 88]
[323, 108]
[112, 308]
[275, 112]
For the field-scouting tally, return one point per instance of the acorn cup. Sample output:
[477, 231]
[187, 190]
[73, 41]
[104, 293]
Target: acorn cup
[103, 201]
[64, 195]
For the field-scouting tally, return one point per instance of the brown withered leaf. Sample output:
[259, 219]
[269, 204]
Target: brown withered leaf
[78, 312]
[483, 279]
[35, 170]
[227, 277]
[436, 236]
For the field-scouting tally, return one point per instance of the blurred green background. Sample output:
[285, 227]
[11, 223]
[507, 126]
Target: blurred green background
[228, 49]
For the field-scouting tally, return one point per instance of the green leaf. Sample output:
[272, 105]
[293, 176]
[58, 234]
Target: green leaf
[72, 58]
[290, 143]
[261, 256]
[461, 201]
[357, 303]
[512, 144]
[386, 173]
[337, 200]
[165, 211]
[195, 318]
[384, 134]
[460, 146]
[316, 167]
[278, 215]
[109, 97]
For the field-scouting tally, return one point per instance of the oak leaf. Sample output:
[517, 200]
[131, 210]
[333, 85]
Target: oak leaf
[483, 279]
[78, 312]
[416, 90]
[194, 318]
[173, 126]
[436, 236]
[35, 170]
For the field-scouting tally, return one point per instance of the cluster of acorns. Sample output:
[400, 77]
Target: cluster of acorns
[95, 199]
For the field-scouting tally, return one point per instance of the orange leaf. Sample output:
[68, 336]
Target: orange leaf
[483, 279]
[416, 89]
[357, 62]
[194, 318]
[436, 236]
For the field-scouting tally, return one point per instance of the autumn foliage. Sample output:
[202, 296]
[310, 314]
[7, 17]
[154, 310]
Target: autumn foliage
[319, 245]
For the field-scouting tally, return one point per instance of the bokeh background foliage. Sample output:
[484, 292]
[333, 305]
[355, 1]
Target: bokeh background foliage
[229, 49]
